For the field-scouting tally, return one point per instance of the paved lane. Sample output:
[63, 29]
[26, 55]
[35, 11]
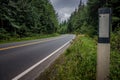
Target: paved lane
[14, 61]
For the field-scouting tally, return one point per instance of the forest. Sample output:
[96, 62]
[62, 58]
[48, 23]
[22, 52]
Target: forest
[84, 20]
[23, 18]
[83, 50]
[26, 18]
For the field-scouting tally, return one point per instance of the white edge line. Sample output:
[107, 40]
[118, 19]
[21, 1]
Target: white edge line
[38, 63]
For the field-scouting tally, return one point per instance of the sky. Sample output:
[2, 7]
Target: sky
[64, 8]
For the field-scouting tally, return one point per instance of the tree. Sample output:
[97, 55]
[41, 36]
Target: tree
[25, 17]
[85, 19]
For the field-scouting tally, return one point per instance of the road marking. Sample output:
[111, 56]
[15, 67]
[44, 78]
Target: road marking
[38, 63]
[27, 44]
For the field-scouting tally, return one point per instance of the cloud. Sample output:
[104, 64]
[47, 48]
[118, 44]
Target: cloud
[64, 8]
[64, 13]
[54, 1]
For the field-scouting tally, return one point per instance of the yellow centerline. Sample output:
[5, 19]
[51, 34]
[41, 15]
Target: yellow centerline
[27, 44]
[11, 47]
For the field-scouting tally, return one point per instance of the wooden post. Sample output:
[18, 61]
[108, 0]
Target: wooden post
[103, 51]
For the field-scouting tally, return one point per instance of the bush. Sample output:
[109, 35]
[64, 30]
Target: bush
[79, 62]
[4, 35]
[115, 40]
[88, 29]
[115, 55]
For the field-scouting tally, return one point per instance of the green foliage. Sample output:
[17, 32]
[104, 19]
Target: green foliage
[16, 38]
[77, 63]
[3, 34]
[62, 28]
[85, 19]
[82, 21]
[80, 62]
[115, 40]
[115, 55]
[26, 17]
[114, 4]
[115, 65]
[87, 29]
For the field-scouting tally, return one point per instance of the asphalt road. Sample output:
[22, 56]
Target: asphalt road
[17, 57]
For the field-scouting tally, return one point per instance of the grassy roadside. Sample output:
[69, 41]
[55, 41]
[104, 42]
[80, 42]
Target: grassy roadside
[115, 56]
[79, 62]
[32, 37]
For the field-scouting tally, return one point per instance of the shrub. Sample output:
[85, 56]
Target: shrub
[4, 35]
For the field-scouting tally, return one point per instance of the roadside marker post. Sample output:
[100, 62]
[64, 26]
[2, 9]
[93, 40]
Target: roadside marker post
[103, 49]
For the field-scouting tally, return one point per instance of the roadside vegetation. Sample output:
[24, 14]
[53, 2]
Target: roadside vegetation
[115, 55]
[34, 19]
[24, 19]
[84, 20]
[79, 62]
[31, 37]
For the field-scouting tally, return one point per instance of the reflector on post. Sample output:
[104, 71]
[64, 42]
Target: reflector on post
[103, 52]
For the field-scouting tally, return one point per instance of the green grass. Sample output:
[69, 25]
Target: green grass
[115, 65]
[32, 37]
[115, 56]
[79, 62]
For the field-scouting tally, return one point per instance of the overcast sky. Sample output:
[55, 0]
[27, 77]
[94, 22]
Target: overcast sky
[64, 8]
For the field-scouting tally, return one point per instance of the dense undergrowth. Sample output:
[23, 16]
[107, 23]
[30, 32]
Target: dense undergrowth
[115, 56]
[79, 62]
[31, 37]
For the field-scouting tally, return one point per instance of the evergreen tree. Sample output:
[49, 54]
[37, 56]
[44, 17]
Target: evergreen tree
[85, 19]
[25, 17]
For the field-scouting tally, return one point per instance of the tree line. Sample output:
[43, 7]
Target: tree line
[85, 18]
[21, 18]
